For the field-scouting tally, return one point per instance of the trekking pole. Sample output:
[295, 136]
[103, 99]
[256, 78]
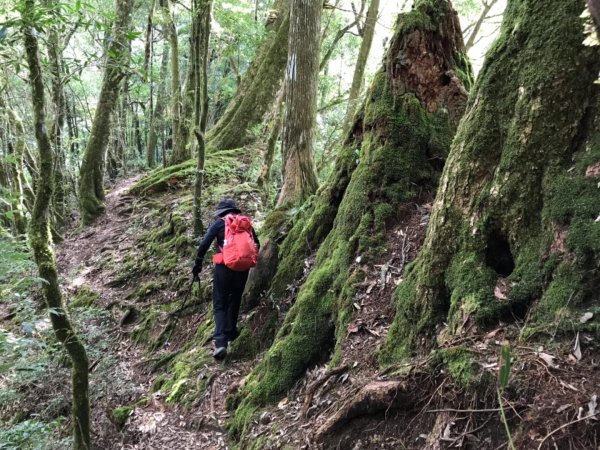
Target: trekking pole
[178, 313]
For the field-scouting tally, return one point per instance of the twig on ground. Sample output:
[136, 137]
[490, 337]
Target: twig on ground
[563, 426]
[464, 410]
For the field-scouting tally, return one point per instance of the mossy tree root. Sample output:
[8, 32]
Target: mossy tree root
[408, 121]
[510, 219]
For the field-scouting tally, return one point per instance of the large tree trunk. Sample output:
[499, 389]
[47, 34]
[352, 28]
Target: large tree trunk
[512, 230]
[361, 61]
[91, 187]
[402, 134]
[40, 240]
[259, 86]
[301, 81]
[157, 122]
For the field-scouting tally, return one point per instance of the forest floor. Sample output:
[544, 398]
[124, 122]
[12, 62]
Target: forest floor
[174, 395]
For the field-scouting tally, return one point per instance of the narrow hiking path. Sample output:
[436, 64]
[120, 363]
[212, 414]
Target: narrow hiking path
[152, 424]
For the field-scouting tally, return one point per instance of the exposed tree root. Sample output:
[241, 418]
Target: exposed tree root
[375, 397]
[312, 389]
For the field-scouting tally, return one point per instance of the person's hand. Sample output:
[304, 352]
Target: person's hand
[196, 271]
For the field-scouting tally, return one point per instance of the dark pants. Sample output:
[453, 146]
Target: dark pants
[228, 286]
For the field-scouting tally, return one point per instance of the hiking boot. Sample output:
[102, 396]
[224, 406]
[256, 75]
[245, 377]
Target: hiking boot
[220, 353]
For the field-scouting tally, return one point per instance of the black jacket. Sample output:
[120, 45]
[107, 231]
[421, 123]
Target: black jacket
[216, 230]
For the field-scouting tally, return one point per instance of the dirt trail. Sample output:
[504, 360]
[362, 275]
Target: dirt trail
[155, 425]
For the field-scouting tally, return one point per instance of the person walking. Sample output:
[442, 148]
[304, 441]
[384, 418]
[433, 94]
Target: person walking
[236, 250]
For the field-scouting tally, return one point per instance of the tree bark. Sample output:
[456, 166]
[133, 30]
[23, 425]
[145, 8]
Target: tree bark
[400, 136]
[301, 83]
[258, 89]
[171, 32]
[203, 11]
[40, 240]
[91, 187]
[157, 122]
[361, 61]
[274, 133]
[512, 227]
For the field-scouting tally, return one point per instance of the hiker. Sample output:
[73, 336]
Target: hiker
[233, 259]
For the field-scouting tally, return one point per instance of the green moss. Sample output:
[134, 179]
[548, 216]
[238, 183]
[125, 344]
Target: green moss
[145, 290]
[245, 346]
[120, 415]
[239, 424]
[84, 298]
[183, 384]
[461, 365]
[218, 166]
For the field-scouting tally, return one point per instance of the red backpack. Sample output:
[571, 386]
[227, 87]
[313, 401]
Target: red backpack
[239, 250]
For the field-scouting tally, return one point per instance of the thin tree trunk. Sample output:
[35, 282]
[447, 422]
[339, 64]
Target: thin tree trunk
[203, 12]
[91, 186]
[301, 83]
[15, 176]
[171, 33]
[487, 6]
[361, 61]
[157, 121]
[40, 239]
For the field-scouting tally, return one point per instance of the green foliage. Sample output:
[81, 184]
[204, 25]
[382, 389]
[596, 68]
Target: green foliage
[30, 435]
[120, 415]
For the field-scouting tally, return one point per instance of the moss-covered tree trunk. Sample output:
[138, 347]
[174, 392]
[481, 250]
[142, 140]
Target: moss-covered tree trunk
[400, 139]
[259, 86]
[275, 125]
[157, 120]
[91, 187]
[514, 227]
[202, 8]
[40, 240]
[301, 82]
[59, 205]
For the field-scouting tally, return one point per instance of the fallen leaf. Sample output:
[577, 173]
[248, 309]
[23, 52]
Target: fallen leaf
[282, 404]
[353, 328]
[588, 315]
[499, 294]
[356, 305]
[549, 359]
[592, 404]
